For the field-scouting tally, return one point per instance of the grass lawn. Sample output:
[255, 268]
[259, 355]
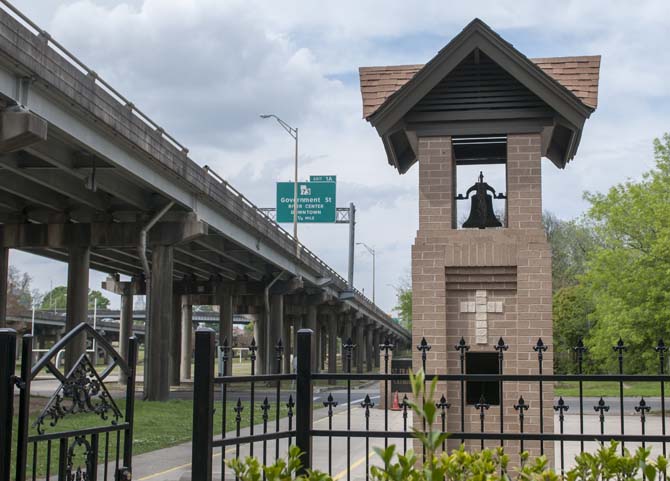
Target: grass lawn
[601, 388]
[157, 425]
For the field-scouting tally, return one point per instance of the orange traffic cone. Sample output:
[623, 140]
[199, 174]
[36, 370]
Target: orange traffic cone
[396, 403]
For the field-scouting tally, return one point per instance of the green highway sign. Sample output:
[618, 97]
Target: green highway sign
[322, 178]
[316, 201]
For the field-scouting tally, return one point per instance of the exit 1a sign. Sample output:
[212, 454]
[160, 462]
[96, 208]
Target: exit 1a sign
[316, 201]
[322, 178]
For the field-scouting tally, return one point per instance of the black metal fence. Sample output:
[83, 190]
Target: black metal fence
[47, 444]
[300, 405]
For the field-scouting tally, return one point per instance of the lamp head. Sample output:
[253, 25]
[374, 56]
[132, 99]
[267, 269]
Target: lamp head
[266, 116]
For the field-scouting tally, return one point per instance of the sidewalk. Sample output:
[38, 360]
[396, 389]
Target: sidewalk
[173, 464]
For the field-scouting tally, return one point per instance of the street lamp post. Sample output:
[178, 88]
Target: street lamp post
[293, 132]
[372, 252]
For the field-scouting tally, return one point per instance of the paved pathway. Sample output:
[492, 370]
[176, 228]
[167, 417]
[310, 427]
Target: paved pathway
[173, 464]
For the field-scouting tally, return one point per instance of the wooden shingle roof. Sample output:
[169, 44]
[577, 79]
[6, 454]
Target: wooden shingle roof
[578, 74]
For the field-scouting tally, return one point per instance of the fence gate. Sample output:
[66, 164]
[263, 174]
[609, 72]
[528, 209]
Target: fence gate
[80, 433]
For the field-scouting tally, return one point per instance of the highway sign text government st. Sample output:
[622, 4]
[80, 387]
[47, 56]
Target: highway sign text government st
[316, 201]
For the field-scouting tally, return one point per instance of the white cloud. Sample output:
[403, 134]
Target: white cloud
[205, 69]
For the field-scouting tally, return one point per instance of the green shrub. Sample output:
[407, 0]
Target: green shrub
[250, 469]
[460, 465]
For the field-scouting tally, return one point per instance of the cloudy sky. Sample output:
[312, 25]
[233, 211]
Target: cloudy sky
[205, 69]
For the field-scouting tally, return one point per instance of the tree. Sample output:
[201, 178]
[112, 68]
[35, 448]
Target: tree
[571, 310]
[57, 299]
[20, 296]
[103, 302]
[403, 305]
[627, 276]
[571, 243]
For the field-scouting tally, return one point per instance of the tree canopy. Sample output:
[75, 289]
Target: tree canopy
[403, 305]
[57, 299]
[20, 295]
[627, 276]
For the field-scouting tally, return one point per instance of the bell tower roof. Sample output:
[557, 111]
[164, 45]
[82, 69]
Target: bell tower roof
[480, 84]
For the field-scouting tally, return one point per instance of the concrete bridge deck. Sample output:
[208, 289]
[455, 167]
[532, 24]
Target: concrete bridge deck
[88, 179]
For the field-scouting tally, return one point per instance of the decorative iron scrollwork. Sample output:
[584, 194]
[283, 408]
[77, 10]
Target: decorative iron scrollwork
[72, 474]
[82, 391]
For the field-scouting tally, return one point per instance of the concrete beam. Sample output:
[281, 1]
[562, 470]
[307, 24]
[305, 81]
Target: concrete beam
[56, 154]
[288, 287]
[62, 183]
[135, 287]
[212, 260]
[108, 235]
[241, 257]
[32, 192]
[20, 129]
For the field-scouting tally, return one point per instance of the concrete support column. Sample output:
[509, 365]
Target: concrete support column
[318, 334]
[332, 348]
[186, 337]
[260, 334]
[77, 301]
[298, 323]
[323, 329]
[312, 324]
[275, 330]
[175, 342]
[347, 335]
[377, 341]
[369, 349]
[288, 344]
[156, 362]
[360, 347]
[4, 273]
[125, 325]
[225, 301]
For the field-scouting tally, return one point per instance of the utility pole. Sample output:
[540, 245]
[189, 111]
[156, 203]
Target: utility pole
[293, 132]
[352, 243]
[373, 254]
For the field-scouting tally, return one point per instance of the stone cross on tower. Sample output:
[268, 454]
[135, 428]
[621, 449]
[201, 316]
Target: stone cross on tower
[481, 307]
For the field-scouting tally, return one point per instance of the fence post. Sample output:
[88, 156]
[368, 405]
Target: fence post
[24, 407]
[131, 358]
[203, 406]
[303, 417]
[7, 370]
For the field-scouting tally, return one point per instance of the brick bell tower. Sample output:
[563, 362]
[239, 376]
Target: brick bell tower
[478, 118]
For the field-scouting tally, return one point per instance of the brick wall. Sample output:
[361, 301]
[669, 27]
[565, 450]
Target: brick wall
[436, 183]
[512, 264]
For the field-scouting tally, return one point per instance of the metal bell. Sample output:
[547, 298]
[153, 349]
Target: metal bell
[481, 205]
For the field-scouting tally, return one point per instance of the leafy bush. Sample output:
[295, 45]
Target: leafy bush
[282, 470]
[460, 465]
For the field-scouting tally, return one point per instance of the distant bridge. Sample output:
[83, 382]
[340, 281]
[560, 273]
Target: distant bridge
[51, 326]
[88, 179]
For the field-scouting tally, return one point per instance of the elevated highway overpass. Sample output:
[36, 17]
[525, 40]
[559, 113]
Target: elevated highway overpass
[88, 179]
